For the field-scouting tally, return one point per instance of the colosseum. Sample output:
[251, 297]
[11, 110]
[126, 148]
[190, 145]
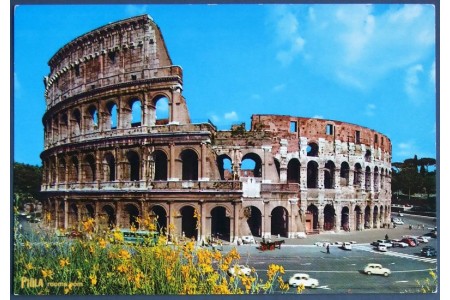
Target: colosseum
[110, 156]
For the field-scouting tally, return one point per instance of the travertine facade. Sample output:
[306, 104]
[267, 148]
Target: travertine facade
[110, 157]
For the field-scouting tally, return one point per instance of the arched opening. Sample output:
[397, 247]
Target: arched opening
[108, 216]
[92, 122]
[312, 150]
[293, 171]
[367, 217]
[73, 215]
[64, 125]
[254, 220]
[62, 170]
[89, 168]
[133, 213]
[344, 174]
[161, 218]
[162, 111]
[88, 212]
[277, 166]
[109, 164]
[329, 175]
[368, 156]
[188, 222]
[312, 218]
[368, 176]
[52, 170]
[375, 179]
[381, 216]
[328, 217]
[220, 223]
[189, 161]
[375, 217]
[358, 218]
[160, 159]
[345, 218]
[312, 178]
[357, 178]
[112, 116]
[279, 221]
[224, 165]
[382, 179]
[136, 112]
[251, 165]
[76, 122]
[55, 128]
[73, 173]
[133, 166]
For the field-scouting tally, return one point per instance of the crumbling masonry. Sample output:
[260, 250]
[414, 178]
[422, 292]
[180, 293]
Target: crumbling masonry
[108, 156]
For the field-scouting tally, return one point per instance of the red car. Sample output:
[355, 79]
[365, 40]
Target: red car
[410, 242]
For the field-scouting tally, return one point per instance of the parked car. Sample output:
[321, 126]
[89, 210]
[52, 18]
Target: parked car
[382, 247]
[248, 239]
[409, 241]
[399, 243]
[385, 242]
[322, 244]
[398, 222]
[376, 269]
[423, 239]
[303, 279]
[346, 246]
[414, 238]
[239, 270]
[428, 251]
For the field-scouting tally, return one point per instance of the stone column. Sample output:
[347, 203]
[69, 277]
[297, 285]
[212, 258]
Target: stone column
[56, 214]
[203, 166]
[172, 162]
[266, 219]
[338, 218]
[371, 217]
[292, 226]
[66, 214]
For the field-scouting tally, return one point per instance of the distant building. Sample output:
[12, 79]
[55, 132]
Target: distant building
[108, 154]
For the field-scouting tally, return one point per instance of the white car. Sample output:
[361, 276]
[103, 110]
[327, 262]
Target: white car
[398, 243]
[346, 246]
[322, 244]
[239, 270]
[387, 243]
[423, 239]
[398, 222]
[382, 247]
[376, 269]
[248, 239]
[303, 279]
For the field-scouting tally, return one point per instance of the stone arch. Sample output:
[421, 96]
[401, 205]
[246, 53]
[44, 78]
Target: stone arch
[52, 170]
[91, 121]
[224, 164]
[162, 110]
[312, 218]
[382, 178]
[133, 166]
[329, 175]
[107, 216]
[220, 223]
[132, 214]
[87, 212]
[277, 166]
[367, 217]
[375, 217]
[254, 220]
[73, 215]
[89, 168]
[159, 213]
[368, 156]
[73, 169]
[345, 218]
[111, 116]
[367, 179]
[161, 161]
[312, 177]
[189, 161]
[375, 179]
[62, 170]
[381, 217]
[293, 171]
[279, 221]
[329, 215]
[135, 117]
[64, 125]
[345, 174]
[188, 222]
[257, 170]
[357, 179]
[312, 149]
[109, 167]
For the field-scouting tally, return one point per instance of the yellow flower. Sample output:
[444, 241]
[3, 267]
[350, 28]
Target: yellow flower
[47, 273]
[27, 245]
[29, 266]
[88, 225]
[124, 254]
[102, 243]
[300, 288]
[137, 278]
[122, 268]
[118, 236]
[68, 288]
[93, 279]
[64, 262]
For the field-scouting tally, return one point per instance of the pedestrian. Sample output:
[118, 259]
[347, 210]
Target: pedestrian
[423, 226]
[389, 225]
[386, 237]
[328, 248]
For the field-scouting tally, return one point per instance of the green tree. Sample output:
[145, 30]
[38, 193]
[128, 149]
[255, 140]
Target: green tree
[26, 183]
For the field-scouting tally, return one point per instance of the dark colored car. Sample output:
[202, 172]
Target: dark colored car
[428, 251]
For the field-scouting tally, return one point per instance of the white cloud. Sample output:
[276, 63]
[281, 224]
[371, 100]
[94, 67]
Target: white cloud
[412, 82]
[370, 109]
[318, 117]
[279, 87]
[356, 45]
[231, 116]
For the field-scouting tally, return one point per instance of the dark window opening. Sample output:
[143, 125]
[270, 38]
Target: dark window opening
[312, 175]
[77, 70]
[220, 223]
[357, 137]
[279, 221]
[133, 214]
[329, 129]
[133, 161]
[376, 138]
[329, 175]
[188, 222]
[254, 220]
[312, 149]
[160, 159]
[293, 171]
[112, 57]
[133, 77]
[190, 165]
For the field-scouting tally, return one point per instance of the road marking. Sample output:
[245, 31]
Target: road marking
[325, 287]
[307, 264]
[402, 281]
[396, 254]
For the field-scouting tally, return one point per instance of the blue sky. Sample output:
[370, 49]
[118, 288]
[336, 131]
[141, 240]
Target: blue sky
[372, 65]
